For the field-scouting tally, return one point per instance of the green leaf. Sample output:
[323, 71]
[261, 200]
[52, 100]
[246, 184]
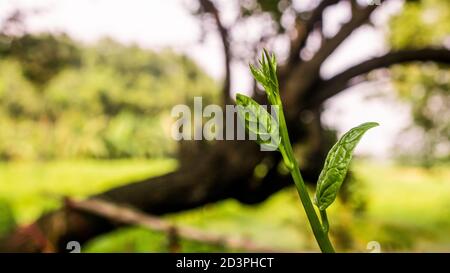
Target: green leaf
[258, 75]
[258, 122]
[266, 74]
[336, 165]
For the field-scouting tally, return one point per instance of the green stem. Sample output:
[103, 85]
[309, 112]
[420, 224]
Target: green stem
[324, 217]
[321, 236]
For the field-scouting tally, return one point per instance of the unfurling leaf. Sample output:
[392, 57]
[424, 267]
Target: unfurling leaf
[336, 165]
[258, 122]
[266, 75]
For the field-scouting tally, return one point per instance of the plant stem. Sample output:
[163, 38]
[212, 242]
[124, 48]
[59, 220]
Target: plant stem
[324, 217]
[321, 236]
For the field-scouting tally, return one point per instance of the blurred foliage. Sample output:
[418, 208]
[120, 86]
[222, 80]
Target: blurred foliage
[421, 23]
[61, 99]
[7, 220]
[41, 57]
[426, 87]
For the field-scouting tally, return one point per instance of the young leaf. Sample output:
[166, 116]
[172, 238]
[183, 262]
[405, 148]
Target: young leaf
[336, 165]
[266, 74]
[258, 121]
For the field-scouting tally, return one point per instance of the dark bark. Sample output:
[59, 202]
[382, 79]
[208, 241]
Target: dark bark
[209, 7]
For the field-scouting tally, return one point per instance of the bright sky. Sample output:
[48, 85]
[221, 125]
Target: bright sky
[159, 24]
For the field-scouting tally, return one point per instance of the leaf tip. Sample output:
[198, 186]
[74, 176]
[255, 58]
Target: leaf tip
[241, 99]
[370, 124]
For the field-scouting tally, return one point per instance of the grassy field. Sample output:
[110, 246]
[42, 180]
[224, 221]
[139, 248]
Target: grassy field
[33, 187]
[402, 208]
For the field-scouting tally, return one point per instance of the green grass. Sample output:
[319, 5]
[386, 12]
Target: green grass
[408, 203]
[33, 187]
[407, 208]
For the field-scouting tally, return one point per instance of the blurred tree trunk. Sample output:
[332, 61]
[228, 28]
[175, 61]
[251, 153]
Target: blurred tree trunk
[214, 171]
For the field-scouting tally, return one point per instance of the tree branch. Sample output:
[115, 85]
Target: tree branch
[328, 88]
[303, 31]
[209, 7]
[359, 17]
[309, 71]
[131, 216]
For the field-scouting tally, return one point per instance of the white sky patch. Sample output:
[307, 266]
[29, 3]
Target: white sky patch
[357, 105]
